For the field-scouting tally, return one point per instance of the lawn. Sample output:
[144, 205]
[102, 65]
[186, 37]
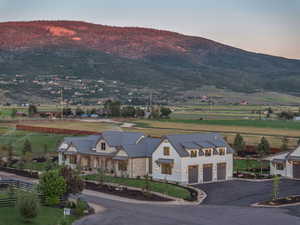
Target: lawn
[164, 188]
[245, 164]
[46, 216]
[36, 166]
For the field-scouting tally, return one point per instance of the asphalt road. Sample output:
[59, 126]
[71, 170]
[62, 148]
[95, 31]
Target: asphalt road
[227, 204]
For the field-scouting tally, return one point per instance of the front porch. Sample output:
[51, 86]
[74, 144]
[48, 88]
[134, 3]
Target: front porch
[117, 166]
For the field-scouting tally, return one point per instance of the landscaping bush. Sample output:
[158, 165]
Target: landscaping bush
[28, 205]
[52, 186]
[81, 206]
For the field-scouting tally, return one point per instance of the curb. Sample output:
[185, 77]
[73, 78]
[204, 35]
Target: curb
[273, 206]
[252, 180]
[201, 195]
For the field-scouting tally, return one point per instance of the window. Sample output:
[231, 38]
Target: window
[221, 151]
[194, 153]
[150, 165]
[166, 169]
[166, 151]
[279, 166]
[72, 159]
[122, 165]
[103, 146]
[208, 152]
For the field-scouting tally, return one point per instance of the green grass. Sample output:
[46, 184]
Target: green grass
[3, 194]
[38, 140]
[164, 188]
[46, 216]
[37, 166]
[277, 124]
[244, 164]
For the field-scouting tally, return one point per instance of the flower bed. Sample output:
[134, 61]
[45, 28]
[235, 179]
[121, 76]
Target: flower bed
[254, 176]
[281, 201]
[169, 189]
[124, 192]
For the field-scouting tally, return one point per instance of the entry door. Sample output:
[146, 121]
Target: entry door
[296, 170]
[193, 174]
[207, 172]
[221, 171]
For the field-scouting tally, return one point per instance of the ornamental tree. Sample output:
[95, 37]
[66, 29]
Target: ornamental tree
[74, 183]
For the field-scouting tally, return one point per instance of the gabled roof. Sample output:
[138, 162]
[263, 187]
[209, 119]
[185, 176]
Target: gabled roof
[181, 142]
[144, 148]
[119, 138]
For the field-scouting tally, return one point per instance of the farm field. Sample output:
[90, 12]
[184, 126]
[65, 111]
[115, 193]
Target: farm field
[276, 124]
[252, 135]
[226, 119]
[76, 125]
[37, 140]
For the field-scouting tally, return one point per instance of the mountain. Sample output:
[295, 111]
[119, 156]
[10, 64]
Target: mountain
[32, 54]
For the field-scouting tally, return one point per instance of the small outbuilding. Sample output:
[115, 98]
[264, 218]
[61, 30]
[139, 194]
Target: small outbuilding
[286, 164]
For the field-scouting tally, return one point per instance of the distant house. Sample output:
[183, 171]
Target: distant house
[286, 164]
[182, 158]
[297, 118]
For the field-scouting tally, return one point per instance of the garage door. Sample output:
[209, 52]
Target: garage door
[193, 174]
[221, 171]
[207, 172]
[296, 170]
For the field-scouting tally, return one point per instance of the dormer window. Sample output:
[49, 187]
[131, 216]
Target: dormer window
[193, 153]
[221, 151]
[103, 146]
[166, 150]
[207, 152]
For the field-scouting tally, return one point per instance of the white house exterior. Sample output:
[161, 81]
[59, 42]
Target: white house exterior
[192, 158]
[182, 158]
[286, 164]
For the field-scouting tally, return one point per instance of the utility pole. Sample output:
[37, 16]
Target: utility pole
[62, 103]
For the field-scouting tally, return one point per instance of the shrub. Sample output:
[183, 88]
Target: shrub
[81, 206]
[28, 205]
[52, 186]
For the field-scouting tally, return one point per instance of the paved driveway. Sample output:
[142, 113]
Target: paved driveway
[227, 204]
[244, 193]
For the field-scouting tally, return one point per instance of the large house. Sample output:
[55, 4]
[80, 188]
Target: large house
[286, 164]
[182, 158]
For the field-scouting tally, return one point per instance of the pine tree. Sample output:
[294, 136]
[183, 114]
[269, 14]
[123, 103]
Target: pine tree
[263, 149]
[27, 147]
[239, 144]
[284, 145]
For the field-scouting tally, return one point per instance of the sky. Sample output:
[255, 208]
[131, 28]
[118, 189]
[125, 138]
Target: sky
[265, 26]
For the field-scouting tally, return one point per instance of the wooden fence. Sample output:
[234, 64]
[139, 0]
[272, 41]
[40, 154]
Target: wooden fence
[54, 130]
[22, 185]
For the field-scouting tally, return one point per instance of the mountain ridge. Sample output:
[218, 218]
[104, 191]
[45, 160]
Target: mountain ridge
[136, 55]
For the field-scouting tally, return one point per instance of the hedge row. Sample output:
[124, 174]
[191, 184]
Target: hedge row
[54, 130]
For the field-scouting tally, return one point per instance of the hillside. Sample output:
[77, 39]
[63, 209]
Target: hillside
[34, 53]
